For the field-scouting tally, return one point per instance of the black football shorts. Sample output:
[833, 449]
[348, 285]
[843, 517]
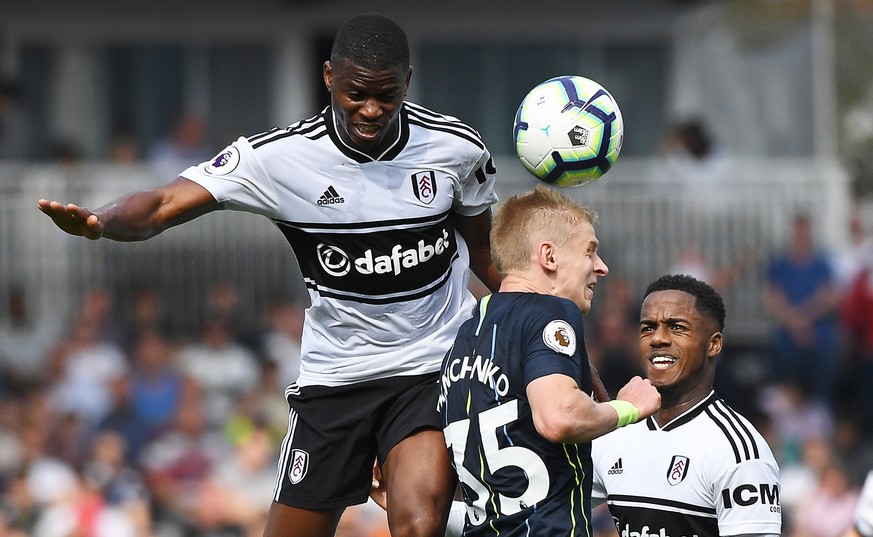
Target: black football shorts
[336, 433]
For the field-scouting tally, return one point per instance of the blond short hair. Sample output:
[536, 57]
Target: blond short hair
[525, 219]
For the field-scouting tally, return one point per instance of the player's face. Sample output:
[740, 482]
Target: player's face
[677, 343]
[579, 266]
[366, 103]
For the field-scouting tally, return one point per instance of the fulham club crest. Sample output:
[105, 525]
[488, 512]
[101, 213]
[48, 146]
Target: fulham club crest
[299, 465]
[424, 186]
[678, 469]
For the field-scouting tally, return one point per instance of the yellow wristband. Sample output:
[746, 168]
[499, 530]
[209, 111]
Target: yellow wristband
[627, 412]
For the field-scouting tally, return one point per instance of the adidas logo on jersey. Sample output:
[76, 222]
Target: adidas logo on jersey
[616, 468]
[330, 197]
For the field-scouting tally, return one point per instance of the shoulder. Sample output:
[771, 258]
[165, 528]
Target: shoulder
[310, 129]
[732, 435]
[541, 310]
[451, 127]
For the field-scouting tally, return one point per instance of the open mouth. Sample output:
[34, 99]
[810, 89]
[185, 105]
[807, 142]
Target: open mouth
[367, 130]
[661, 362]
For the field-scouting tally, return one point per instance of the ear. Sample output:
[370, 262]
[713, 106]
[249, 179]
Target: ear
[547, 256]
[408, 80]
[327, 73]
[715, 343]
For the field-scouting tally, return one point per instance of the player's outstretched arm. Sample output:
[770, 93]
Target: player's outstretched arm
[136, 216]
[563, 413]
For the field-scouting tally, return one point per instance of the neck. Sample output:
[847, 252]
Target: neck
[520, 283]
[674, 402]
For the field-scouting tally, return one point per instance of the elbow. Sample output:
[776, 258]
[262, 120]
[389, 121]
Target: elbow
[555, 428]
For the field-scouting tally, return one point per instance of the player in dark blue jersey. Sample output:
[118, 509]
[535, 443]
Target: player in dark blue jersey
[514, 387]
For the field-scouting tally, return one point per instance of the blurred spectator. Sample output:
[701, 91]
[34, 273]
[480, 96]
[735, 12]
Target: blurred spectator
[281, 343]
[84, 367]
[98, 308]
[224, 302]
[221, 366]
[123, 147]
[124, 421]
[799, 477]
[119, 486]
[857, 321]
[236, 495]
[145, 314]
[16, 128]
[828, 510]
[156, 384]
[65, 152]
[18, 510]
[185, 146]
[802, 297]
[852, 442]
[177, 462]
[26, 339]
[147, 398]
[692, 261]
[796, 418]
[693, 158]
[857, 256]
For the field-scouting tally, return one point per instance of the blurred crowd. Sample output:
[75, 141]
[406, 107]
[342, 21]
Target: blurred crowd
[114, 423]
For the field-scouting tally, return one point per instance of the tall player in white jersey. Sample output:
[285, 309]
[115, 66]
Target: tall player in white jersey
[696, 467]
[387, 206]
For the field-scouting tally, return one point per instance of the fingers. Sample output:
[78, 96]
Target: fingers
[72, 218]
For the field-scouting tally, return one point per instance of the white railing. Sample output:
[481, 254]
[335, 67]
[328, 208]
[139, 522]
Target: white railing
[649, 214]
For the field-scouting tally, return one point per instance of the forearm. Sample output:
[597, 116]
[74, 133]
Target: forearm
[134, 217]
[484, 269]
[586, 425]
[567, 415]
[141, 215]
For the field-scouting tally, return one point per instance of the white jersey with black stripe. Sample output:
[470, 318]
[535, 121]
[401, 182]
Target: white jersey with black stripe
[707, 473]
[374, 238]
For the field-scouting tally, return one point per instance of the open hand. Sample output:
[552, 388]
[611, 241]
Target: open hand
[73, 219]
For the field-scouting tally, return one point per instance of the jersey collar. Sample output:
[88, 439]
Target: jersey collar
[685, 417]
[392, 151]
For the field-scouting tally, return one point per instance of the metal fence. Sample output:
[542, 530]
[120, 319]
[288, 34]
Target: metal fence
[650, 213]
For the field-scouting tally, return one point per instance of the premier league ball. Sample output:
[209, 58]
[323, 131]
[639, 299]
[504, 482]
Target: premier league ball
[568, 131]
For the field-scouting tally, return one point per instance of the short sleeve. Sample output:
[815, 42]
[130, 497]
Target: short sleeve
[237, 179]
[864, 511]
[556, 342]
[476, 192]
[747, 498]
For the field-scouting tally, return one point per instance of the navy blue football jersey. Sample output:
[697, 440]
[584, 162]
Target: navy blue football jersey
[515, 482]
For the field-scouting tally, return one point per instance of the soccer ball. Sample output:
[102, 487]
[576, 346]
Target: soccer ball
[568, 131]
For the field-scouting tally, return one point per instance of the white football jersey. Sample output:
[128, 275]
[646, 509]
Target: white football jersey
[707, 473]
[864, 511]
[374, 238]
